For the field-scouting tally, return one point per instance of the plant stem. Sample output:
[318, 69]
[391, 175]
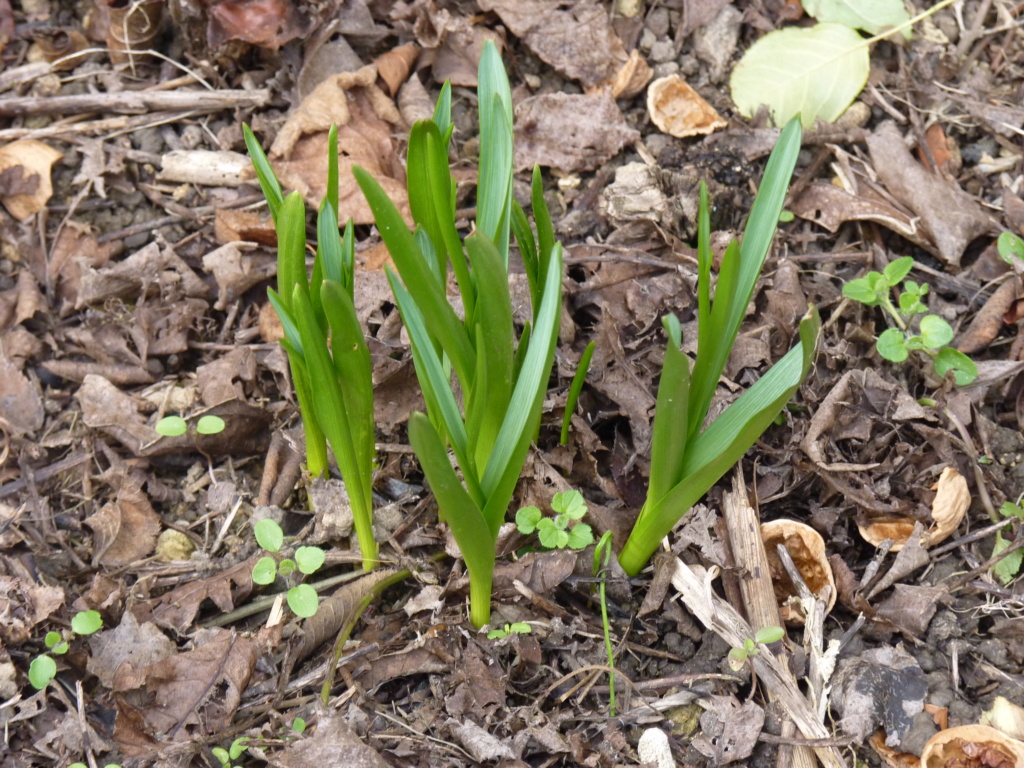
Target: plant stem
[480, 598]
[887, 305]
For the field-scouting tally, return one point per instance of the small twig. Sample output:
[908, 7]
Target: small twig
[135, 102]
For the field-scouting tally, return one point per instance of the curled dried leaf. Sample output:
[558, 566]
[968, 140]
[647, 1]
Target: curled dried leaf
[632, 77]
[972, 745]
[680, 111]
[952, 498]
[807, 549]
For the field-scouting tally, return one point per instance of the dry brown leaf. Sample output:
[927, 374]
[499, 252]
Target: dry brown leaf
[21, 399]
[952, 499]
[680, 111]
[571, 132]
[192, 694]
[830, 207]
[632, 77]
[177, 609]
[329, 104]
[950, 217]
[237, 269]
[23, 605]
[987, 324]
[395, 65]
[972, 745]
[21, 302]
[124, 530]
[942, 150]
[75, 248]
[333, 743]
[35, 161]
[149, 270]
[807, 549]
[132, 27]
[576, 38]
[266, 23]
[138, 644]
[231, 225]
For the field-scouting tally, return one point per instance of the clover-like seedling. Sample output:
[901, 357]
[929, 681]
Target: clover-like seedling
[173, 426]
[226, 756]
[1006, 570]
[43, 668]
[934, 333]
[518, 628]
[302, 598]
[764, 636]
[555, 533]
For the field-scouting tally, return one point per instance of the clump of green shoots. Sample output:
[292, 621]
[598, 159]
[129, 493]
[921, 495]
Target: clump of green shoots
[932, 332]
[302, 598]
[688, 458]
[554, 532]
[327, 352]
[43, 668]
[502, 379]
[226, 756]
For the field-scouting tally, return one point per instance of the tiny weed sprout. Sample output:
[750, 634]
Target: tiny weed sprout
[502, 379]
[43, 668]
[687, 458]
[327, 352]
[302, 598]
[1006, 570]
[555, 533]
[518, 628]
[933, 334]
[226, 756]
[173, 426]
[764, 636]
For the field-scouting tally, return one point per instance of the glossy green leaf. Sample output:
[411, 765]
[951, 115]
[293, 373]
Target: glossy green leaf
[265, 571]
[892, 345]
[86, 622]
[671, 415]
[210, 425]
[52, 638]
[575, 388]
[769, 635]
[269, 535]
[527, 519]
[303, 601]
[494, 190]
[41, 671]
[309, 559]
[291, 247]
[171, 426]
[897, 269]
[935, 332]
[332, 169]
[964, 369]
[580, 536]
[872, 16]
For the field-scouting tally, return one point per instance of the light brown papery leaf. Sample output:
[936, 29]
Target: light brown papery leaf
[972, 745]
[35, 159]
[151, 269]
[395, 65]
[571, 132]
[807, 548]
[124, 530]
[190, 694]
[137, 644]
[830, 207]
[231, 225]
[237, 269]
[575, 38]
[632, 77]
[1004, 716]
[951, 502]
[680, 111]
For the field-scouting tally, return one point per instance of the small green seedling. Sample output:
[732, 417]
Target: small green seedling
[934, 333]
[1007, 569]
[555, 533]
[298, 725]
[43, 668]
[302, 598]
[1011, 250]
[518, 628]
[574, 391]
[764, 636]
[173, 426]
[226, 756]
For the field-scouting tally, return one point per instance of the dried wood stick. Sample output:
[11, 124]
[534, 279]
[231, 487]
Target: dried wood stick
[134, 102]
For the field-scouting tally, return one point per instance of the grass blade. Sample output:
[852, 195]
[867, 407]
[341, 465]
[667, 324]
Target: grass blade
[669, 440]
[291, 247]
[264, 172]
[494, 191]
[332, 169]
[574, 390]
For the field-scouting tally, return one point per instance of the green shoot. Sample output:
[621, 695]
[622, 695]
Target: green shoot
[574, 390]
[934, 333]
[518, 628]
[765, 636]
[555, 533]
[502, 380]
[688, 458]
[1011, 250]
[1006, 570]
[302, 598]
[602, 556]
[327, 352]
[226, 756]
[43, 668]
